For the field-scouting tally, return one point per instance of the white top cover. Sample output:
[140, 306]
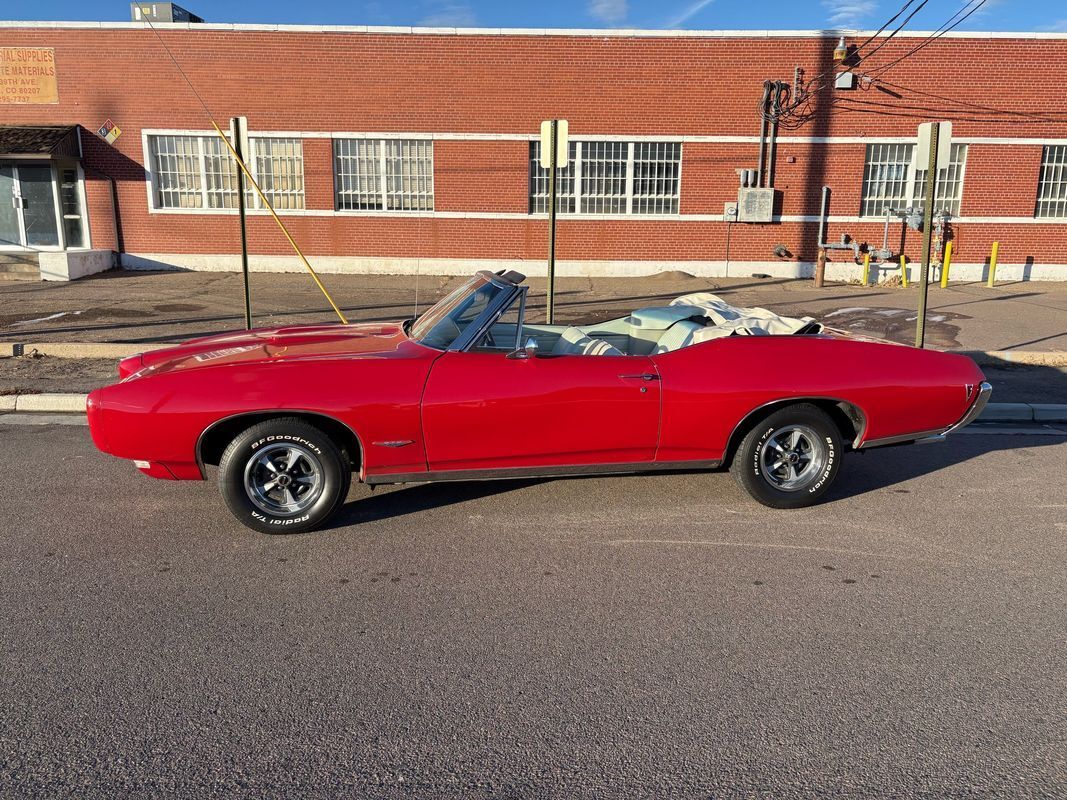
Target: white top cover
[732, 319]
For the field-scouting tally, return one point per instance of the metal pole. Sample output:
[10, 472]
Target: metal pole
[552, 223]
[928, 230]
[238, 135]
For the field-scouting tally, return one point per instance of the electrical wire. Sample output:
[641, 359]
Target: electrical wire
[945, 28]
[244, 168]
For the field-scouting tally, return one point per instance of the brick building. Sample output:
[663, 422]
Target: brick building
[392, 150]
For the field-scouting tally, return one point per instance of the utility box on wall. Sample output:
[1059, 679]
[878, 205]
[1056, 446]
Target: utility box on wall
[755, 204]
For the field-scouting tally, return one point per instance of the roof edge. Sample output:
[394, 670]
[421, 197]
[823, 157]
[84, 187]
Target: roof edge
[577, 32]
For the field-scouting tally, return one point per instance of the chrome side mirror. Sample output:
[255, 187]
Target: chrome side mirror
[529, 350]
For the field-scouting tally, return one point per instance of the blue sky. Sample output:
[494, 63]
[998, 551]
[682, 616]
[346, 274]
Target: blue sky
[1009, 15]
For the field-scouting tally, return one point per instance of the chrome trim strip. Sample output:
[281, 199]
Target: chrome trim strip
[511, 473]
[903, 438]
[984, 393]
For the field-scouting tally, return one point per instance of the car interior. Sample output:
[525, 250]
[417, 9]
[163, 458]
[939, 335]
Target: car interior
[687, 320]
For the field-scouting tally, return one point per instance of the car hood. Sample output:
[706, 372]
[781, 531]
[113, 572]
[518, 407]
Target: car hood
[272, 344]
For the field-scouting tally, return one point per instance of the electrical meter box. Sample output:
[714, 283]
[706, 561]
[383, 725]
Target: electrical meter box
[755, 204]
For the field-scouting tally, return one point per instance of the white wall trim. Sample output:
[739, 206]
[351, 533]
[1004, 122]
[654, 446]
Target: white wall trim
[371, 265]
[474, 136]
[623, 33]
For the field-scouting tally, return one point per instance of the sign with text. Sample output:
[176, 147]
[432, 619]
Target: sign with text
[28, 75]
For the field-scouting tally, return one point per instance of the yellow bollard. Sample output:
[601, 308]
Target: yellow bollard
[904, 271]
[993, 265]
[866, 269]
[946, 262]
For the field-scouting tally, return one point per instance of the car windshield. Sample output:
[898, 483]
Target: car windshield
[446, 321]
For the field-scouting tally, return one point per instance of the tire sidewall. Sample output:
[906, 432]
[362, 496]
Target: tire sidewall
[249, 443]
[752, 474]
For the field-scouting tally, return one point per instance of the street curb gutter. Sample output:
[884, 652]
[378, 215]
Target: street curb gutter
[1029, 358]
[56, 402]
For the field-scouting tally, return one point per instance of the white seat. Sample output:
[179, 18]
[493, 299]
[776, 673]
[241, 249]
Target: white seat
[574, 341]
[679, 335]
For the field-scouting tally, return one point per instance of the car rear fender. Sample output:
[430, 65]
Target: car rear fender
[849, 417]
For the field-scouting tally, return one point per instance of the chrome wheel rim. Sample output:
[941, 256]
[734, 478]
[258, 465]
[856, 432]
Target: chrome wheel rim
[792, 457]
[283, 479]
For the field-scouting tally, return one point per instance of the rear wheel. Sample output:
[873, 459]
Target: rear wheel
[283, 476]
[790, 458]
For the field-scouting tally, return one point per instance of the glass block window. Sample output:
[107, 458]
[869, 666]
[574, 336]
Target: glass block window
[383, 174]
[1052, 183]
[891, 183]
[611, 178]
[191, 171]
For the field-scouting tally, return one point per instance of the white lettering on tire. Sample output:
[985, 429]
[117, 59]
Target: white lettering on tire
[287, 438]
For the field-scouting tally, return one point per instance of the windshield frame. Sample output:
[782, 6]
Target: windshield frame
[476, 327]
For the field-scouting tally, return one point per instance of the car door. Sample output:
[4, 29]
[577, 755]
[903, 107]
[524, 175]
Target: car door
[484, 410]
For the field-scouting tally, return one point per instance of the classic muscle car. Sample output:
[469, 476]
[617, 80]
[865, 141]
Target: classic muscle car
[469, 390]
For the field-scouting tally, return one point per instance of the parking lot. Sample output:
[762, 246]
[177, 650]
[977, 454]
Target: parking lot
[633, 636]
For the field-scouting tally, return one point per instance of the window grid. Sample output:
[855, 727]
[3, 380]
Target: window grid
[611, 178]
[383, 174]
[193, 171]
[279, 170]
[564, 181]
[891, 183]
[1052, 184]
[949, 187]
[178, 171]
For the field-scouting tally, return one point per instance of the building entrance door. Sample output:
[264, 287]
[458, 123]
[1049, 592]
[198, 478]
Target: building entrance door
[28, 205]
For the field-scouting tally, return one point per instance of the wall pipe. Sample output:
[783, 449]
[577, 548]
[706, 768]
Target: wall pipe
[764, 107]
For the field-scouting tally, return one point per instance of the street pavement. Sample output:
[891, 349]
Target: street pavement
[644, 636]
[129, 306]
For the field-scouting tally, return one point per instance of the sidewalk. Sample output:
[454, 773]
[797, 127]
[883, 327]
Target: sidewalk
[147, 309]
[150, 307]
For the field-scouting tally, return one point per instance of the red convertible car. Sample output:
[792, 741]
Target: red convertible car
[470, 391]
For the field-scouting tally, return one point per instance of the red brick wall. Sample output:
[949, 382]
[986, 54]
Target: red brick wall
[492, 84]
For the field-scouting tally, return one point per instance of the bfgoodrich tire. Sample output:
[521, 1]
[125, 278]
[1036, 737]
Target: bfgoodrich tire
[790, 458]
[283, 476]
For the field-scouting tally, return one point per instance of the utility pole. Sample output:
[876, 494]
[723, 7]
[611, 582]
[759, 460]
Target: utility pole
[239, 132]
[939, 145]
[554, 149]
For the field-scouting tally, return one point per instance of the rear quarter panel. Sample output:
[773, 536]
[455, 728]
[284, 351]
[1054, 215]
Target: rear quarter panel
[709, 388]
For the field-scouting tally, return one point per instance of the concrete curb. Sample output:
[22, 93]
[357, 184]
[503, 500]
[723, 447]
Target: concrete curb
[56, 402]
[1030, 358]
[79, 349]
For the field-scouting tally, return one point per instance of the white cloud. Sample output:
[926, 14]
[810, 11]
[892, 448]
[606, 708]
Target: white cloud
[687, 13]
[450, 15]
[849, 13]
[612, 12]
[1059, 26]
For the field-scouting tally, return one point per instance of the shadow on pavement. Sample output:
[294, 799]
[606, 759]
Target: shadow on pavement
[861, 473]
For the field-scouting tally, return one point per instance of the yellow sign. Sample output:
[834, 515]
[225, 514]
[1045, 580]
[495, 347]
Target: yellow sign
[28, 75]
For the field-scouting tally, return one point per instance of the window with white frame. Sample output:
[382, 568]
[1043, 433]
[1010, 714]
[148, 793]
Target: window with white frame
[1052, 183]
[383, 174]
[197, 171]
[891, 183]
[609, 177]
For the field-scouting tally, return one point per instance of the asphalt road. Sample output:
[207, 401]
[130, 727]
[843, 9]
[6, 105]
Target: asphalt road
[617, 637]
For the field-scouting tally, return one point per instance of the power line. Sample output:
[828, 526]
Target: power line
[945, 28]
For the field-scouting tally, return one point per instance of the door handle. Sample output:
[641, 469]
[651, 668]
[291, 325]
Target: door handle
[646, 376]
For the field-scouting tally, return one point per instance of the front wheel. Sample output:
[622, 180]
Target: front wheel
[790, 458]
[283, 476]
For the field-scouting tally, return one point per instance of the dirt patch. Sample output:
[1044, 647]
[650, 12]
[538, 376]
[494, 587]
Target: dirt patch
[46, 374]
[185, 307]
